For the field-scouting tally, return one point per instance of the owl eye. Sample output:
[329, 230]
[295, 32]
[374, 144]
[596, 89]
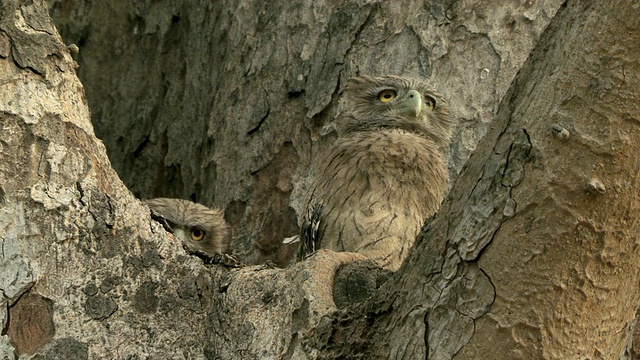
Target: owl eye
[386, 95]
[197, 234]
[431, 102]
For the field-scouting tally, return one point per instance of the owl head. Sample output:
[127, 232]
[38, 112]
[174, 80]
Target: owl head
[374, 103]
[197, 226]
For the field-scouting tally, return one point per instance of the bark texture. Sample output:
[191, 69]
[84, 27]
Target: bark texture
[533, 255]
[570, 155]
[226, 102]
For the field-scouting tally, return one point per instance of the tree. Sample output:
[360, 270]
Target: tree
[532, 255]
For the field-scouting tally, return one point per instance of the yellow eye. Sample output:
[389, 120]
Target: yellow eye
[197, 234]
[429, 101]
[386, 95]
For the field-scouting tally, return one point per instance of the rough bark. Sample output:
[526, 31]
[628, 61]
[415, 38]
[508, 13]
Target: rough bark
[568, 285]
[535, 253]
[260, 79]
[535, 244]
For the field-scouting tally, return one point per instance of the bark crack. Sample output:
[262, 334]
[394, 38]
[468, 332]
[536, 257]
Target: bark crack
[426, 335]
[368, 20]
[492, 285]
[81, 192]
[475, 185]
[473, 321]
[525, 146]
[42, 159]
[264, 117]
[142, 145]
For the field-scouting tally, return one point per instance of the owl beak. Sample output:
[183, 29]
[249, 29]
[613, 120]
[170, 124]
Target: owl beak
[413, 103]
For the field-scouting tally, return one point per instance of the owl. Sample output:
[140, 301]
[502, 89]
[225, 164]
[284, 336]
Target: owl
[385, 174]
[197, 226]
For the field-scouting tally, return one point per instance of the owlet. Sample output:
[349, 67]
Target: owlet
[386, 173]
[197, 226]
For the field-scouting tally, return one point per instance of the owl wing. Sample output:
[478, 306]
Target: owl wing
[310, 239]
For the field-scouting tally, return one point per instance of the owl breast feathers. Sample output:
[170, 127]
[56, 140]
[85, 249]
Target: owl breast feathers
[197, 226]
[385, 174]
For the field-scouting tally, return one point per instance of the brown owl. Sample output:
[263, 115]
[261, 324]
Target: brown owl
[386, 173]
[197, 226]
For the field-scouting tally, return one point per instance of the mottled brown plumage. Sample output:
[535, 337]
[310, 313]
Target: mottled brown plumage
[197, 226]
[385, 174]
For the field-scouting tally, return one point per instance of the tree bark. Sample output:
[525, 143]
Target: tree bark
[260, 79]
[533, 254]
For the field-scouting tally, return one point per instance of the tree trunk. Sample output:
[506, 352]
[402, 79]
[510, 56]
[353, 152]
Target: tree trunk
[533, 254]
[256, 83]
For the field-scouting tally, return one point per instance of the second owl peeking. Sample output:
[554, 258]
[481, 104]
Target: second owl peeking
[372, 192]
